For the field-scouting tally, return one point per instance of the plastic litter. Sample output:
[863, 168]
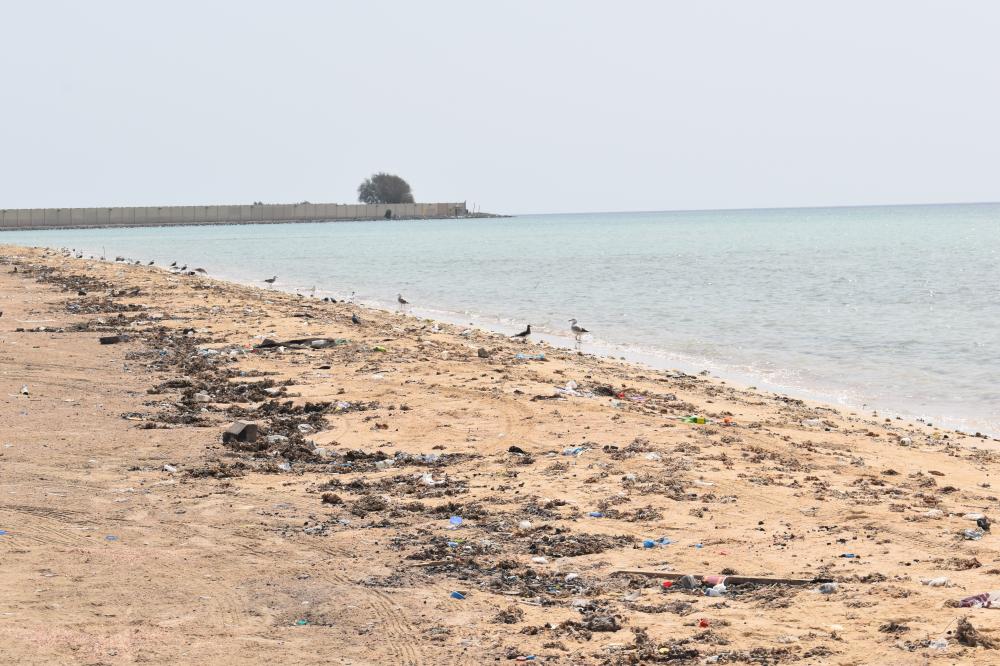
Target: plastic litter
[538, 559]
[936, 582]
[524, 525]
[850, 556]
[301, 622]
[828, 588]
[4, 532]
[457, 595]
[938, 644]
[972, 535]
[984, 600]
[716, 590]
[574, 450]
[529, 357]
[169, 468]
[595, 514]
[111, 537]
[455, 521]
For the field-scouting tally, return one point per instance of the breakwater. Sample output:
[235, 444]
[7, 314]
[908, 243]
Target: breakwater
[149, 216]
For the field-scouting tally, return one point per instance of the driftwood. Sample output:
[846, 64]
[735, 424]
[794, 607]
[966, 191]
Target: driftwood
[729, 580]
[315, 343]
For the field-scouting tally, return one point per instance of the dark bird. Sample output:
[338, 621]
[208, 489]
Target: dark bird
[183, 268]
[173, 265]
[201, 270]
[523, 334]
[150, 263]
[271, 280]
[355, 319]
[402, 301]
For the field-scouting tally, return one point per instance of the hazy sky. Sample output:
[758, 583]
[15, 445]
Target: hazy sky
[516, 106]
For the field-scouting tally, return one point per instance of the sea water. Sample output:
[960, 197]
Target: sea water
[892, 308]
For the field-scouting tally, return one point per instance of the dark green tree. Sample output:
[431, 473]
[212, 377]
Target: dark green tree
[384, 188]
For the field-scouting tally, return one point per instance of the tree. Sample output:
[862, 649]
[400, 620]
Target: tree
[384, 188]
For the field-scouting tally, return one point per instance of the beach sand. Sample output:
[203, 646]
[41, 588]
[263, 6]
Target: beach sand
[131, 533]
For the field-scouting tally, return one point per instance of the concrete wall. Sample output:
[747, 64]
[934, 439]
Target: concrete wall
[142, 216]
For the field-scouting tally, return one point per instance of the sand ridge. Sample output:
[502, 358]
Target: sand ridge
[135, 534]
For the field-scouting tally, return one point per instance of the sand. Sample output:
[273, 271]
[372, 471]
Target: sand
[133, 534]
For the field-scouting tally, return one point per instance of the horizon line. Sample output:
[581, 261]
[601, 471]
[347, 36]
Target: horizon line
[749, 208]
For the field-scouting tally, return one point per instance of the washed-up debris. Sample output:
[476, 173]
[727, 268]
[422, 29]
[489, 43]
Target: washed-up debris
[984, 600]
[302, 343]
[113, 339]
[967, 635]
[240, 431]
[716, 579]
[529, 357]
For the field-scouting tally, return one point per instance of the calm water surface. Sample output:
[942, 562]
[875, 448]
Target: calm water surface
[890, 307]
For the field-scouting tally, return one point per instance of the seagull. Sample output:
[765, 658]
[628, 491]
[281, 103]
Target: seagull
[578, 330]
[173, 265]
[402, 301]
[271, 280]
[184, 268]
[355, 319]
[523, 334]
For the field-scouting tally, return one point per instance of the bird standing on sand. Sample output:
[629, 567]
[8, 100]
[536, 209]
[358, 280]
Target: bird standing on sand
[173, 265]
[200, 270]
[523, 335]
[271, 280]
[355, 319]
[578, 330]
[402, 301]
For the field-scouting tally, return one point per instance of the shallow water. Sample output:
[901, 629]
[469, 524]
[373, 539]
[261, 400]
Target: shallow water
[895, 308]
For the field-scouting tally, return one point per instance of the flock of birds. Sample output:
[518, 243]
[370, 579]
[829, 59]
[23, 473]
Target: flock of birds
[574, 326]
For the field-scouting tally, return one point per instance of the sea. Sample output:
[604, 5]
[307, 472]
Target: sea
[894, 309]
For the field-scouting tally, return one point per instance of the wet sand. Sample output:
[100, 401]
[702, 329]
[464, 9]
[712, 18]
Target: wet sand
[131, 532]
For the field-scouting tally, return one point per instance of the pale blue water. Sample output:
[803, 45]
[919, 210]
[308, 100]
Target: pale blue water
[890, 307]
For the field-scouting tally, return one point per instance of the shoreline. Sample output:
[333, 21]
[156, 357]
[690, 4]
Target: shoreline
[656, 360]
[332, 531]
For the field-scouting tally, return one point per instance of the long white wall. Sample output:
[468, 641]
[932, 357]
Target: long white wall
[142, 216]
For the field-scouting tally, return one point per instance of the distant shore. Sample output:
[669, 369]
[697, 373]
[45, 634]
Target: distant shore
[21, 219]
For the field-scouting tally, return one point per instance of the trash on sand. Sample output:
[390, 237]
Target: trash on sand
[169, 468]
[240, 431]
[938, 644]
[457, 595]
[694, 419]
[301, 622]
[983, 523]
[113, 339]
[716, 590]
[24, 389]
[455, 521]
[984, 600]
[529, 357]
[972, 535]
[312, 343]
[936, 582]
[524, 525]
[4, 532]
[850, 556]
[595, 514]
[574, 450]
[828, 588]
[538, 559]
[652, 543]
[729, 580]
[111, 537]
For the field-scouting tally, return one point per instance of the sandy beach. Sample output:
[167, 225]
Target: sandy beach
[419, 493]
